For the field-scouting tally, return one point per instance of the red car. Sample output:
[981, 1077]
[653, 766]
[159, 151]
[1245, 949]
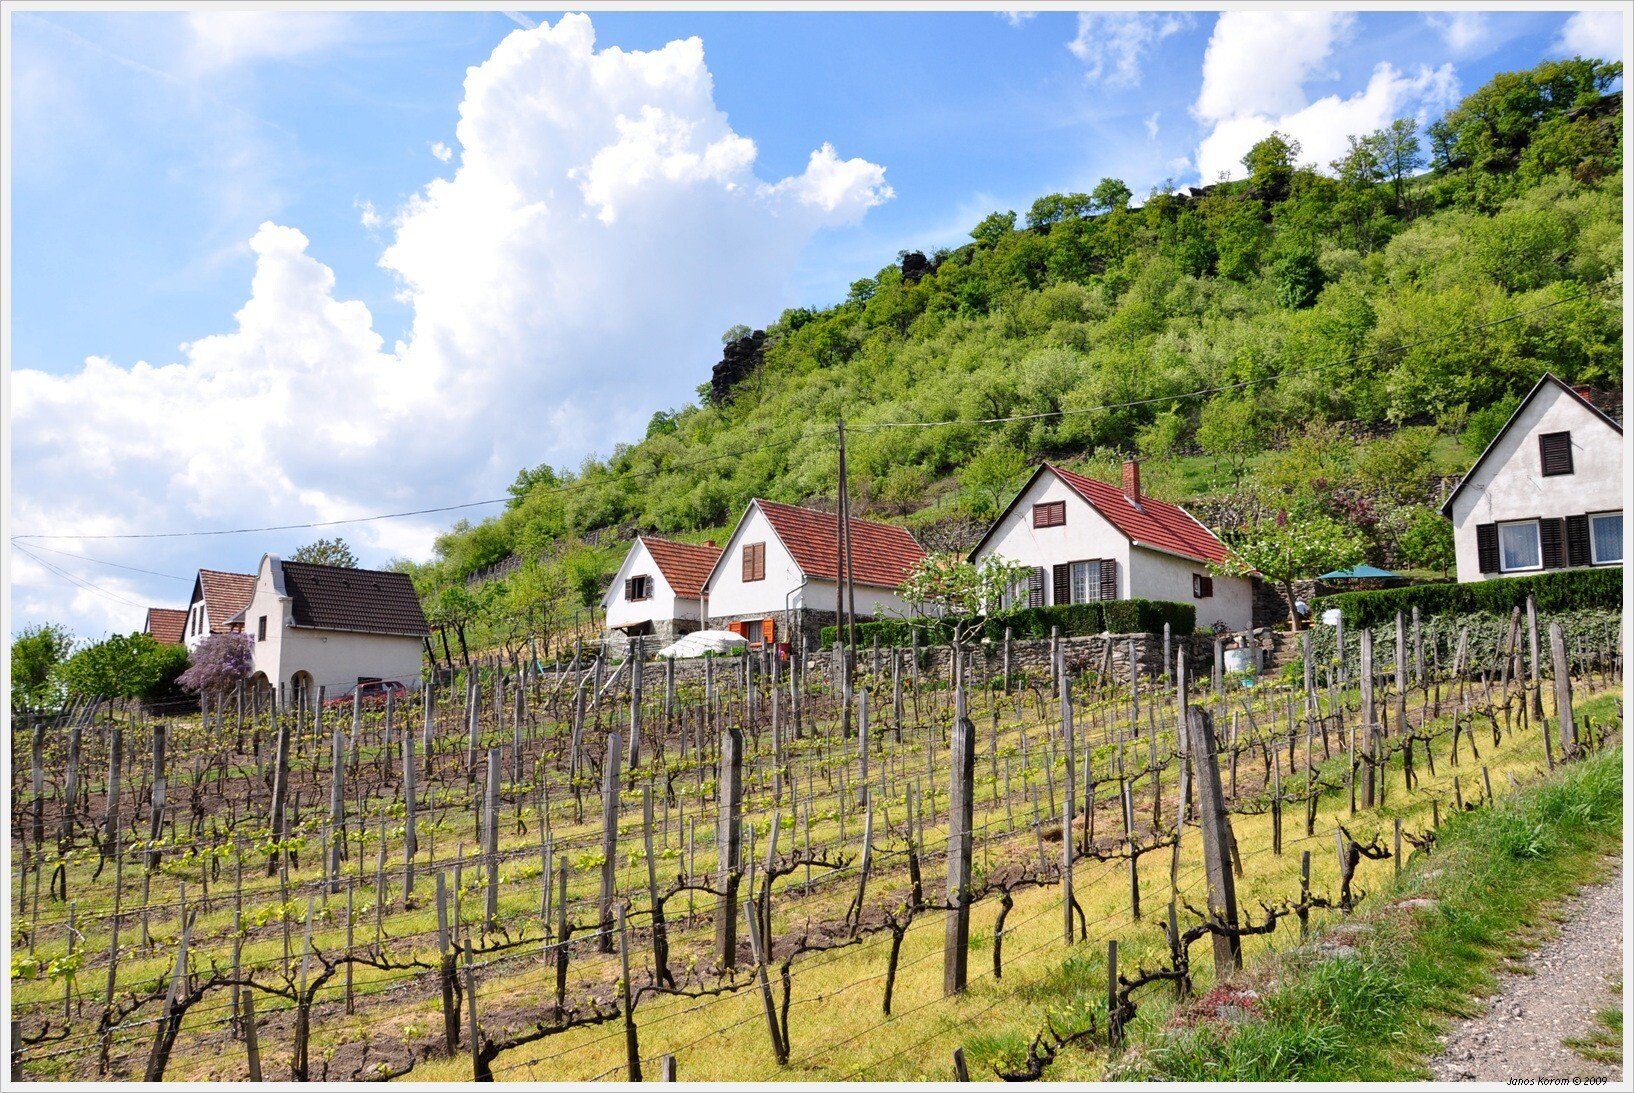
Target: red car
[371, 692]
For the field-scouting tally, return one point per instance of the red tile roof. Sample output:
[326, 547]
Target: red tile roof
[684, 565]
[882, 554]
[225, 595]
[327, 597]
[1154, 524]
[166, 624]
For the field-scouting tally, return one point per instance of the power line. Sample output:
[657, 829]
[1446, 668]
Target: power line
[104, 561]
[87, 585]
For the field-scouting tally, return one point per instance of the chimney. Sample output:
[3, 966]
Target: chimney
[1131, 479]
[709, 542]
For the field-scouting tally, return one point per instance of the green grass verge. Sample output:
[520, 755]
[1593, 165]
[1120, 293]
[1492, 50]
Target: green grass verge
[1373, 1012]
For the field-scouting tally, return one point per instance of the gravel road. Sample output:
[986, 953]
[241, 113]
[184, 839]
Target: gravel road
[1520, 1035]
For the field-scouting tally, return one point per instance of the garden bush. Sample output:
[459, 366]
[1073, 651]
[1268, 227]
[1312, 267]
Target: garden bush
[1029, 623]
[1557, 592]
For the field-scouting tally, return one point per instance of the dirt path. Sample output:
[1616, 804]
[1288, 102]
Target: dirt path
[1520, 1035]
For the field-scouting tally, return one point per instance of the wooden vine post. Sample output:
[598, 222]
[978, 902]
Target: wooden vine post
[727, 839]
[961, 802]
[1211, 814]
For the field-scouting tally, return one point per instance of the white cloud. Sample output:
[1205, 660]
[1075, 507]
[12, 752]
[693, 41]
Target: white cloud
[1464, 32]
[604, 224]
[1597, 34]
[368, 216]
[442, 151]
[1016, 18]
[1255, 75]
[1112, 44]
[221, 39]
[1151, 125]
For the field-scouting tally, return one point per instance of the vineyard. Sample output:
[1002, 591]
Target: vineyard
[905, 865]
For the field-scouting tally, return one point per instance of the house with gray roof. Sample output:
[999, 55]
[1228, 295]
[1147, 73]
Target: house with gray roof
[331, 628]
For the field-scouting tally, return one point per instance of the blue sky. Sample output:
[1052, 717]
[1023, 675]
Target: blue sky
[248, 185]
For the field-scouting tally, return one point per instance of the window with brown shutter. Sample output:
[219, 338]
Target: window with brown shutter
[1555, 451]
[1202, 586]
[1109, 578]
[1061, 591]
[1049, 514]
[754, 561]
[638, 588]
[1486, 547]
[1552, 538]
[1577, 541]
[1035, 587]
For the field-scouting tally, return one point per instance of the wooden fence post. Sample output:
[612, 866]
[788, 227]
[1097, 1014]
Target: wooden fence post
[609, 841]
[1563, 690]
[961, 803]
[1216, 825]
[729, 834]
[632, 1048]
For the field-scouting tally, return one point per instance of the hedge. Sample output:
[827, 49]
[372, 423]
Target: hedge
[1115, 616]
[1560, 591]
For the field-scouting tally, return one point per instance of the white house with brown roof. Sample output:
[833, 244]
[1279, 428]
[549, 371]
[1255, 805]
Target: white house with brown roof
[1084, 540]
[775, 579]
[1547, 493]
[658, 589]
[326, 626]
[217, 597]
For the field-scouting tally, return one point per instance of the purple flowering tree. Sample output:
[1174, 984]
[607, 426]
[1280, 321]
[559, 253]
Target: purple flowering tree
[219, 663]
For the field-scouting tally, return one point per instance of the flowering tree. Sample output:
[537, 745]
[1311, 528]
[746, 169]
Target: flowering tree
[219, 663]
[958, 592]
[1285, 550]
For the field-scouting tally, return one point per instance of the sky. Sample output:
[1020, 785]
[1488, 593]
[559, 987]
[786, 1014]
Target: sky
[273, 268]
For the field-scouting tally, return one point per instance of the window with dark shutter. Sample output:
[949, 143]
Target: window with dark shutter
[1062, 591]
[1202, 586]
[1577, 541]
[1109, 578]
[638, 588]
[1486, 547]
[1552, 538]
[261, 628]
[1035, 587]
[1555, 450]
[754, 562]
[1049, 514]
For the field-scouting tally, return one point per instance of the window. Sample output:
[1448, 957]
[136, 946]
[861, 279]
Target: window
[1518, 546]
[1555, 453]
[638, 588]
[1049, 514]
[1202, 586]
[1017, 595]
[1086, 581]
[261, 629]
[754, 561]
[1606, 537]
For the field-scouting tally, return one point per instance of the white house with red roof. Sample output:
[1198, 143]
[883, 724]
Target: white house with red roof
[1085, 540]
[658, 590]
[217, 598]
[776, 578]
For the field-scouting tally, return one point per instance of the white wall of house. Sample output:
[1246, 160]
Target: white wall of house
[334, 659]
[661, 603]
[1509, 485]
[1087, 535]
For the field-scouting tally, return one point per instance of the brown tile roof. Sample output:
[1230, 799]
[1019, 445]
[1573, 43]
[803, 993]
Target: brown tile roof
[166, 624]
[882, 554]
[1154, 524]
[367, 601]
[225, 595]
[683, 565]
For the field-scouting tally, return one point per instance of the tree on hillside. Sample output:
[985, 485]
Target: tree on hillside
[947, 587]
[1110, 194]
[988, 480]
[1054, 208]
[1288, 549]
[1271, 164]
[1229, 429]
[36, 652]
[218, 664]
[1400, 157]
[993, 227]
[335, 552]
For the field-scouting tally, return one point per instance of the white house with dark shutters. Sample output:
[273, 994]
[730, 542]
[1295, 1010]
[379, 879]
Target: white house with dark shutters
[1546, 494]
[658, 590]
[1088, 540]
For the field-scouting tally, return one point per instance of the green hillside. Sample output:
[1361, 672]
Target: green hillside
[1360, 328]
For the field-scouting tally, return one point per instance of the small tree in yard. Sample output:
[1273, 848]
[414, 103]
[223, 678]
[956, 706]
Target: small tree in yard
[35, 654]
[219, 663]
[1289, 549]
[946, 586]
